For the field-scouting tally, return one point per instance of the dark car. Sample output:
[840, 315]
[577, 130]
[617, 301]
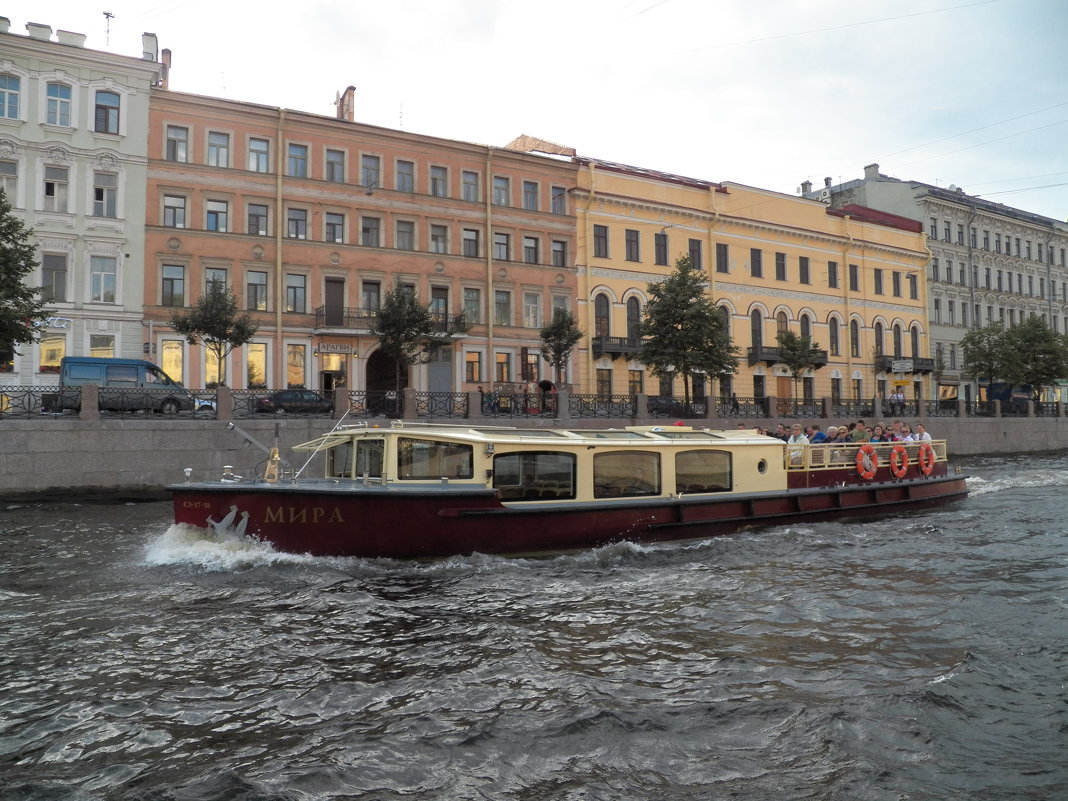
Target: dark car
[295, 401]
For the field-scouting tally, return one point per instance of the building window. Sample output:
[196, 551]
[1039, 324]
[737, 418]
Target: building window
[295, 293]
[503, 368]
[877, 274]
[439, 239]
[756, 265]
[832, 335]
[55, 189]
[257, 219]
[335, 227]
[532, 310]
[218, 212]
[803, 270]
[854, 278]
[54, 277]
[501, 246]
[695, 254]
[439, 181]
[107, 113]
[297, 161]
[370, 232]
[600, 241]
[218, 149]
[58, 111]
[854, 339]
[371, 295]
[335, 166]
[660, 248]
[559, 253]
[9, 97]
[256, 290]
[370, 167]
[173, 285]
[259, 155]
[102, 272]
[502, 307]
[297, 224]
[878, 336]
[559, 200]
[502, 191]
[472, 305]
[600, 315]
[105, 194]
[9, 180]
[530, 195]
[470, 242]
[215, 278]
[530, 249]
[405, 235]
[914, 291]
[173, 211]
[756, 329]
[938, 311]
[780, 266]
[832, 275]
[631, 245]
[405, 176]
[470, 185]
[472, 366]
[895, 284]
[177, 143]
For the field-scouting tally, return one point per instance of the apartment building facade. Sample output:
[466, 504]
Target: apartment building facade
[73, 159]
[987, 263]
[850, 280]
[310, 220]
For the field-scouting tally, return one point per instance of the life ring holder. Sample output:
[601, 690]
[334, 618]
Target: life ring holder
[867, 462]
[899, 461]
[926, 458]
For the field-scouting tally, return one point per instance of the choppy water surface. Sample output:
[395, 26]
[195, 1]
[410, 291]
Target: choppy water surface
[920, 657]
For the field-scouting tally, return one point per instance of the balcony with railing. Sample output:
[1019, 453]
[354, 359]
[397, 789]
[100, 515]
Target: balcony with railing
[615, 346]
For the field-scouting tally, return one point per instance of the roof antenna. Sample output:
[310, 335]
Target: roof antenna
[107, 33]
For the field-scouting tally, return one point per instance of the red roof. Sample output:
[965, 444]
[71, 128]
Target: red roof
[864, 214]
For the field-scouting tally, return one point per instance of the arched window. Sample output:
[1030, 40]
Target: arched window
[897, 341]
[782, 322]
[634, 318]
[915, 342]
[878, 339]
[725, 319]
[600, 315]
[832, 333]
[756, 325]
[854, 338]
[806, 327]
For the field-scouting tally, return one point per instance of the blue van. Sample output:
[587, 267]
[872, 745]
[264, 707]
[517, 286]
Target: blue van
[126, 385]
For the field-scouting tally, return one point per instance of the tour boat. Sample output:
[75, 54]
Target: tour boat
[424, 490]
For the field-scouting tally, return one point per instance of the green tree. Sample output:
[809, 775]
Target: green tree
[214, 319]
[22, 306]
[683, 330]
[799, 354]
[558, 340]
[407, 330]
[1037, 355]
[984, 353]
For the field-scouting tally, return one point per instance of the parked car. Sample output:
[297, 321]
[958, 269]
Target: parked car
[295, 401]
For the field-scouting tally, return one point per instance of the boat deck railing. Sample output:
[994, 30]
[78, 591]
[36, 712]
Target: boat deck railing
[836, 455]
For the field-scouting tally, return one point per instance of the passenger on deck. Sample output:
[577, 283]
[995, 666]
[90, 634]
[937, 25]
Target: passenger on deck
[878, 434]
[781, 432]
[815, 436]
[860, 432]
[797, 437]
[921, 434]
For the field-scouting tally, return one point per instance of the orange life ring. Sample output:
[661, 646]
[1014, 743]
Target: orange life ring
[899, 461]
[867, 462]
[926, 458]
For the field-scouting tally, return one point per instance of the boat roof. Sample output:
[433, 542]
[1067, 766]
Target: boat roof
[629, 435]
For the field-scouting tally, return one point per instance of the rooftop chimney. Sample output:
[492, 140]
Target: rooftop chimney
[346, 104]
[871, 172]
[806, 187]
[5, 25]
[149, 47]
[165, 72]
[827, 182]
[71, 38]
[39, 31]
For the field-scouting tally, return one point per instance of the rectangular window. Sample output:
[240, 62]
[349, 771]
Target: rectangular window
[722, 258]
[960, 234]
[405, 176]
[600, 241]
[530, 249]
[933, 229]
[105, 194]
[9, 97]
[102, 346]
[878, 277]
[439, 181]
[218, 215]
[895, 279]
[530, 195]
[938, 311]
[559, 253]
[177, 143]
[503, 368]
[532, 310]
[695, 254]
[502, 307]
[297, 224]
[803, 270]
[631, 245]
[335, 166]
[472, 366]
[832, 274]
[257, 219]
[297, 161]
[660, 249]
[472, 305]
[295, 293]
[174, 211]
[370, 171]
[997, 243]
[218, 149]
[946, 235]
[854, 278]
[370, 232]
[470, 185]
[215, 277]
[502, 191]
[405, 237]
[986, 240]
[9, 178]
[173, 285]
[371, 295]
[501, 246]
[756, 263]
[102, 279]
[335, 227]
[439, 239]
[58, 105]
[780, 266]
[256, 290]
[471, 243]
[54, 277]
[106, 118]
[259, 155]
[559, 200]
[55, 189]
[296, 359]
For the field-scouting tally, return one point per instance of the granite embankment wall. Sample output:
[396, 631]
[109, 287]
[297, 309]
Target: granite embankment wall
[69, 457]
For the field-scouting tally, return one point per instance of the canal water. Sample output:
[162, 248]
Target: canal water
[921, 656]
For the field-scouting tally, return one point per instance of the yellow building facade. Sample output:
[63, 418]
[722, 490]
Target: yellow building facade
[850, 279]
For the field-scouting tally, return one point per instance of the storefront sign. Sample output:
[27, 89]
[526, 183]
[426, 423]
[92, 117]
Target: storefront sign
[334, 347]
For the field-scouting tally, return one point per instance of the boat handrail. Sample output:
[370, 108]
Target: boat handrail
[836, 455]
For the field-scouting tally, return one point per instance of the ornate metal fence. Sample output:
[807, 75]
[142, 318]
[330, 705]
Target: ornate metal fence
[668, 406]
[28, 402]
[441, 404]
[602, 405]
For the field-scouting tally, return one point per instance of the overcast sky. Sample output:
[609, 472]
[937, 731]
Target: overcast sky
[761, 92]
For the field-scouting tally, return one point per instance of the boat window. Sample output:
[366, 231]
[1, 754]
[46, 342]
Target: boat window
[339, 461]
[702, 471]
[669, 434]
[534, 475]
[369, 457]
[429, 459]
[624, 473]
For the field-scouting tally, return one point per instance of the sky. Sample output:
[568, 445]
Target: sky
[768, 93]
